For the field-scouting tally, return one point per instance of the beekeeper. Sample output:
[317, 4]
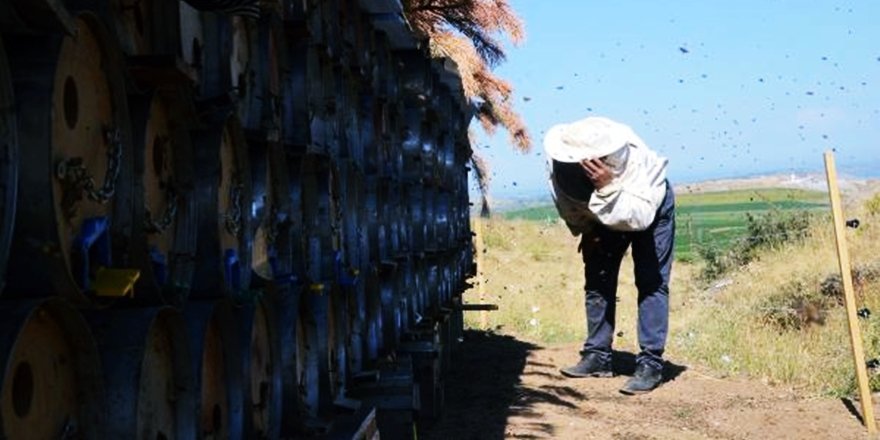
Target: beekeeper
[611, 189]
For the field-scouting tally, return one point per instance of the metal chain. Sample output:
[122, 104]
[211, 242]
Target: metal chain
[271, 223]
[233, 215]
[335, 218]
[76, 176]
[167, 217]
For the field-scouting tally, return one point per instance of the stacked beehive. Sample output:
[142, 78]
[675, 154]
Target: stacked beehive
[225, 225]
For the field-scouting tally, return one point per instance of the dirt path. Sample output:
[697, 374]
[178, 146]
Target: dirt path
[501, 387]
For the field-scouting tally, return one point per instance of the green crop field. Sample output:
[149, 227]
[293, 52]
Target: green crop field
[714, 218]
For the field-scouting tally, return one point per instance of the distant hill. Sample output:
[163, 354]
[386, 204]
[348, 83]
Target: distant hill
[511, 204]
[808, 181]
[852, 187]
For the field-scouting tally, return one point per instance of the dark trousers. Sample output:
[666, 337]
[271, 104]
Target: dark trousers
[652, 258]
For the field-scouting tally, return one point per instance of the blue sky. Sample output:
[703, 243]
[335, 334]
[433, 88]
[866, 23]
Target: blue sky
[722, 89]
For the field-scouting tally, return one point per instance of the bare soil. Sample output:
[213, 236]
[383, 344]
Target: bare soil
[501, 387]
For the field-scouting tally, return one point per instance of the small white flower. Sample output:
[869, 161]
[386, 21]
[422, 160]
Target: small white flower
[535, 309]
[726, 359]
[533, 322]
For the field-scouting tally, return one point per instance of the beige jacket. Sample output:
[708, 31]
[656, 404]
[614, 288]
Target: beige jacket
[628, 203]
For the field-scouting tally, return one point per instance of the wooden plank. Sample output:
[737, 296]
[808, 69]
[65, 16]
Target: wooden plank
[477, 307]
[368, 429]
[849, 296]
[360, 425]
[478, 237]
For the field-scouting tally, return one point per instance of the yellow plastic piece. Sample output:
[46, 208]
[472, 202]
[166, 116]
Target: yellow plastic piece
[115, 283]
[317, 288]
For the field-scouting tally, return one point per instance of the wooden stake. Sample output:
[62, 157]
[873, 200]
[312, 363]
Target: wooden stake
[478, 228]
[849, 296]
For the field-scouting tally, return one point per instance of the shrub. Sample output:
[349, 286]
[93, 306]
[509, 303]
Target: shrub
[797, 305]
[766, 231]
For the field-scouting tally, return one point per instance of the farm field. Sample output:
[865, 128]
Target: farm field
[715, 219]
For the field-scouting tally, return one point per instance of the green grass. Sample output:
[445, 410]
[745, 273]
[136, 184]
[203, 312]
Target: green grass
[536, 213]
[715, 219]
[753, 325]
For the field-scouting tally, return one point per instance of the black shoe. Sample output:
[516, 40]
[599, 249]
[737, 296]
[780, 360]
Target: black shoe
[591, 365]
[645, 379]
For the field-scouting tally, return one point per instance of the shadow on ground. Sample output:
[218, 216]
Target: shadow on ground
[851, 407]
[484, 388]
[623, 363]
